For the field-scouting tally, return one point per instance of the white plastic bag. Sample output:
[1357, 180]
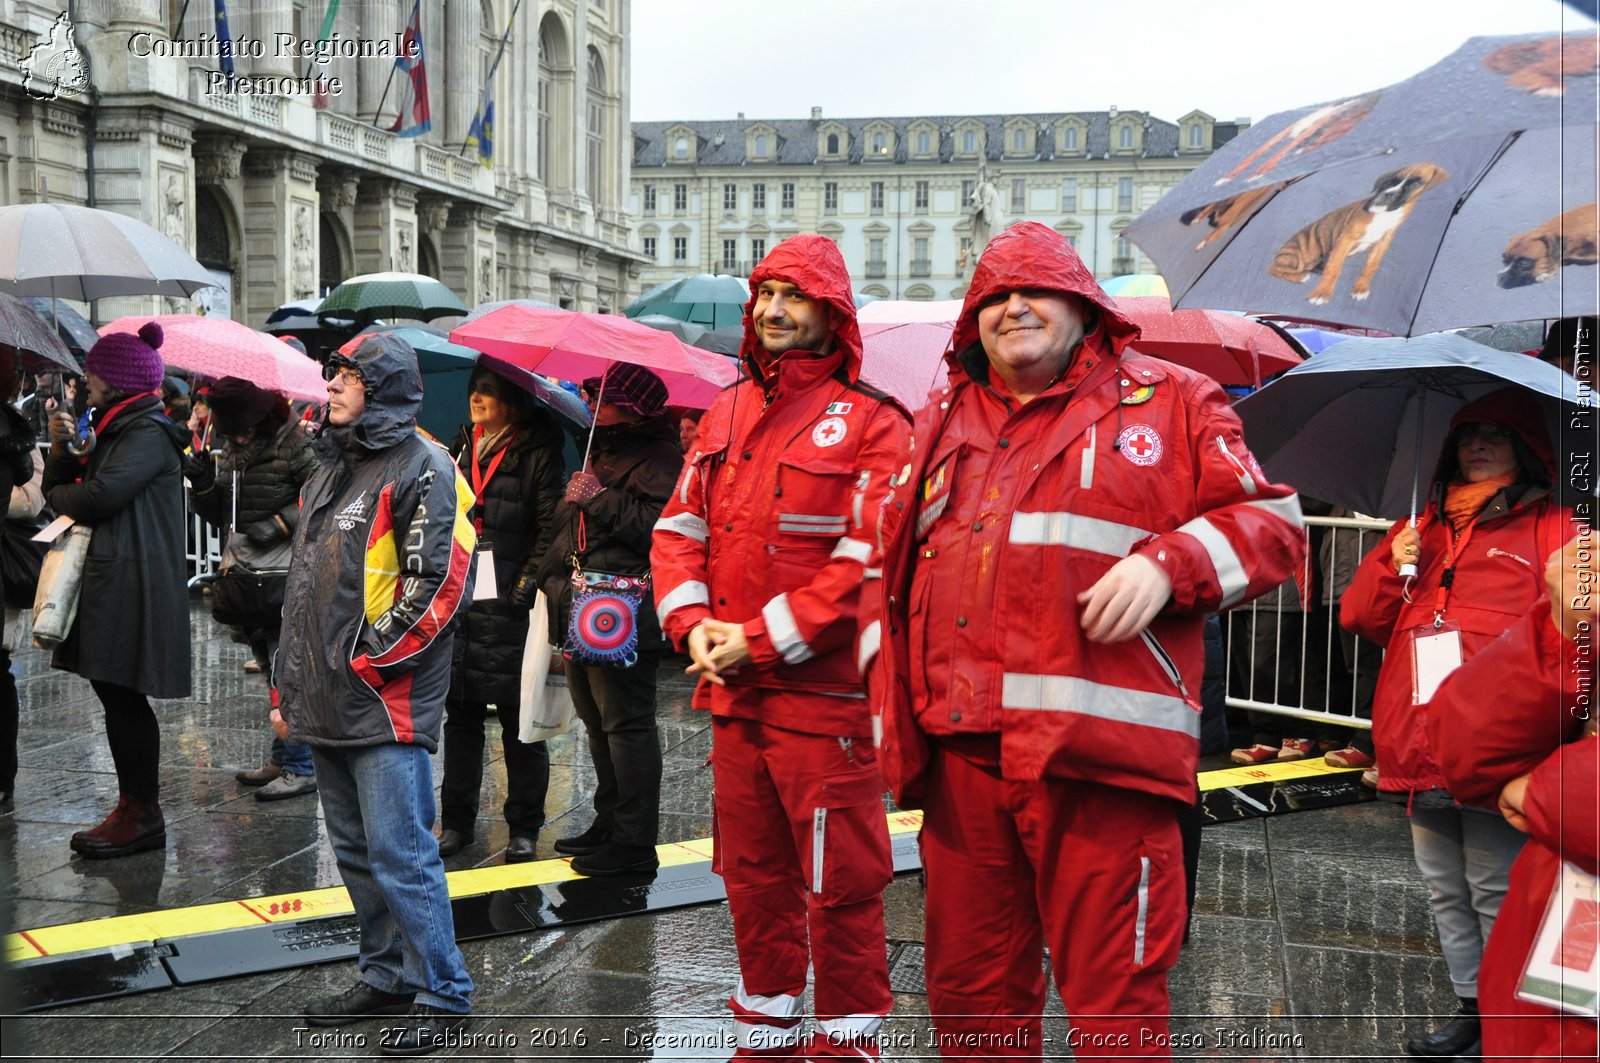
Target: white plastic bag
[55, 603]
[542, 714]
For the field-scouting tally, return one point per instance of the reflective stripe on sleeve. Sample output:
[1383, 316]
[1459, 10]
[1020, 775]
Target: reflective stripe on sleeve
[691, 593]
[867, 644]
[784, 632]
[1144, 911]
[854, 549]
[1286, 508]
[1077, 531]
[1230, 572]
[687, 525]
[1067, 693]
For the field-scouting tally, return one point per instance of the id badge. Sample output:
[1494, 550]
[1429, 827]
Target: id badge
[1435, 653]
[1563, 969]
[483, 584]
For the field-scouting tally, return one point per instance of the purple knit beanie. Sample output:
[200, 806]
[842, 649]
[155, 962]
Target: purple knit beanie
[128, 363]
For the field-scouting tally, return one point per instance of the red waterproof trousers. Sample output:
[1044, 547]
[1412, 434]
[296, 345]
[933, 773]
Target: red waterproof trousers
[1095, 872]
[802, 842]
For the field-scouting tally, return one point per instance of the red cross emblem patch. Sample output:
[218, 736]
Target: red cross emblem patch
[1140, 444]
[829, 431]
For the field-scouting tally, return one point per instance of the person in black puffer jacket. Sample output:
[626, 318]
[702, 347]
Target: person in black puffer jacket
[16, 470]
[511, 455]
[605, 521]
[266, 459]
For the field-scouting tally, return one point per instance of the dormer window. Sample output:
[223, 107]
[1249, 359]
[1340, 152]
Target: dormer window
[1197, 136]
[880, 144]
[969, 141]
[761, 147]
[833, 143]
[1019, 141]
[680, 148]
[923, 142]
[1069, 139]
[1125, 138]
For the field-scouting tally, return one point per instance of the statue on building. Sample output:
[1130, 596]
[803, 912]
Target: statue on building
[172, 210]
[305, 253]
[986, 210]
[403, 259]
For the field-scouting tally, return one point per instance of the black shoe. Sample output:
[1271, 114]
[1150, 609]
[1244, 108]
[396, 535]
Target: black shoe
[451, 841]
[617, 859]
[1461, 1036]
[424, 1029]
[521, 850]
[358, 1002]
[589, 841]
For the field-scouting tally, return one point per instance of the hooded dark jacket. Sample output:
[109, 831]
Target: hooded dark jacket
[517, 514]
[381, 569]
[132, 627]
[270, 473]
[638, 465]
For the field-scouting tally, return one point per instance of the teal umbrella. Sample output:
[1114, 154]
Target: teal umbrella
[712, 300]
[370, 296]
[687, 331]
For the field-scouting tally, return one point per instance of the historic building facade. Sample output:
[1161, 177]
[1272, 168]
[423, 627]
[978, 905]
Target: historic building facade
[908, 200]
[284, 190]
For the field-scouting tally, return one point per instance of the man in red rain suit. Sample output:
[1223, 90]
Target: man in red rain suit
[1072, 513]
[759, 559]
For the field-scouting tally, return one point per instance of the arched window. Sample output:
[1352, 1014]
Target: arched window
[596, 127]
[212, 247]
[1125, 137]
[1069, 139]
[969, 141]
[680, 148]
[761, 147]
[1019, 141]
[879, 144]
[833, 143]
[1197, 136]
[923, 140]
[546, 100]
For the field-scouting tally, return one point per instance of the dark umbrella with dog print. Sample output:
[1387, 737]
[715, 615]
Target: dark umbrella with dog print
[1462, 196]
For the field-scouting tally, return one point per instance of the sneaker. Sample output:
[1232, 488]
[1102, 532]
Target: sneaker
[1349, 757]
[358, 1002]
[1296, 749]
[259, 776]
[1259, 753]
[287, 785]
[424, 1029]
[1369, 778]
[252, 667]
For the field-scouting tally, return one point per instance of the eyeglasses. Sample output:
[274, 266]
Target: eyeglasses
[347, 375]
[1482, 431]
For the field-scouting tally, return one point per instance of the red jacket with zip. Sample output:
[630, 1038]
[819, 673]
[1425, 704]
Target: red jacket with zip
[1124, 454]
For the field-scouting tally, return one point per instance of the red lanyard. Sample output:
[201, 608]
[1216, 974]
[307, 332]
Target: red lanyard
[480, 478]
[1447, 579]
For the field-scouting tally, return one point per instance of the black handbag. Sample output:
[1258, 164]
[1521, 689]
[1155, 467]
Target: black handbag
[249, 589]
[20, 558]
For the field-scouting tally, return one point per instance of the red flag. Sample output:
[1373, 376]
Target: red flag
[414, 118]
[319, 96]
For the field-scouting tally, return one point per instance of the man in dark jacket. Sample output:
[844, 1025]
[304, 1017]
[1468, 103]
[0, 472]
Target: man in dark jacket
[603, 525]
[382, 567]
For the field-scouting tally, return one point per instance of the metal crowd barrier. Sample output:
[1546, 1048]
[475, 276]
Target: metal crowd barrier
[203, 549]
[1320, 673]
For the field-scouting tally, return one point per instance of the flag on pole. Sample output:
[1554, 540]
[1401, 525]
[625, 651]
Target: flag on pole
[413, 119]
[319, 98]
[481, 135]
[224, 40]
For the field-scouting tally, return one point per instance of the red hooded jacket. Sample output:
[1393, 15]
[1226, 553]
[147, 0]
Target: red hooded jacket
[779, 511]
[1002, 529]
[1497, 577]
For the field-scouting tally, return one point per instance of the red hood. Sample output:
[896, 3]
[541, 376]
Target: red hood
[1518, 411]
[1030, 255]
[814, 265]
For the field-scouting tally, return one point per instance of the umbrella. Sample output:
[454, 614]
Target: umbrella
[687, 331]
[1228, 348]
[1134, 284]
[1508, 336]
[1317, 340]
[725, 340]
[488, 308]
[38, 346]
[906, 359]
[67, 252]
[73, 328]
[216, 347]
[1460, 196]
[370, 296]
[899, 311]
[706, 299]
[288, 311]
[575, 346]
[447, 371]
[1360, 424]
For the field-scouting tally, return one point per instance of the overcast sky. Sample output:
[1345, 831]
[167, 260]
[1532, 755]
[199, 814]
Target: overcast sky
[1230, 58]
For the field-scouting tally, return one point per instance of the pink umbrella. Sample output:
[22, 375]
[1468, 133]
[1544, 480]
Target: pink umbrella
[1228, 348]
[215, 347]
[575, 346]
[906, 360]
[904, 311]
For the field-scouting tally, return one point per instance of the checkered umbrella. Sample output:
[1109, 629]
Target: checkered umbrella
[371, 296]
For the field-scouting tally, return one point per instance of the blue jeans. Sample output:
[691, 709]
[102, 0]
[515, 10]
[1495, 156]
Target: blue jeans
[290, 756]
[293, 757]
[378, 804]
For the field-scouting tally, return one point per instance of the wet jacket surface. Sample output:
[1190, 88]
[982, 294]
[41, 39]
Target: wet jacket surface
[270, 474]
[1533, 724]
[1009, 512]
[638, 465]
[1497, 577]
[132, 627]
[778, 512]
[517, 514]
[381, 570]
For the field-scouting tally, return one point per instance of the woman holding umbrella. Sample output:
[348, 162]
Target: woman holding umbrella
[511, 455]
[1434, 595]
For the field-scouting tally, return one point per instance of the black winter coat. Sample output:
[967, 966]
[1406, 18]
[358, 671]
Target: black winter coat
[271, 472]
[639, 467]
[516, 511]
[132, 627]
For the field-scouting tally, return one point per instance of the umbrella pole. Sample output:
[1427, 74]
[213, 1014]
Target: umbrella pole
[1409, 571]
[594, 419]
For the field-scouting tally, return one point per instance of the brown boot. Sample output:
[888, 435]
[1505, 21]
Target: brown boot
[133, 826]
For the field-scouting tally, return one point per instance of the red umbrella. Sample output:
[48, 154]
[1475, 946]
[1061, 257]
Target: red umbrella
[575, 346]
[906, 359]
[216, 347]
[1228, 348]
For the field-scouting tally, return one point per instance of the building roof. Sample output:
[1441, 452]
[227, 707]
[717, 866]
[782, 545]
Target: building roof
[722, 142]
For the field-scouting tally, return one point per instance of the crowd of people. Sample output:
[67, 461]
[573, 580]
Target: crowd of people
[997, 610]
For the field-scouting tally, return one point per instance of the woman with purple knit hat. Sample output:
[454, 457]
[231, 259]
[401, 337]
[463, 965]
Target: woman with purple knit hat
[131, 635]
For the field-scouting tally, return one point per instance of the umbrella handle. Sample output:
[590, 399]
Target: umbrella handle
[593, 421]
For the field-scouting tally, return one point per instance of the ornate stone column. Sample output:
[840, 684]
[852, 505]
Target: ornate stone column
[267, 19]
[461, 86]
[380, 21]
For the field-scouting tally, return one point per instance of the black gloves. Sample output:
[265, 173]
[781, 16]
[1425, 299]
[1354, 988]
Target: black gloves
[525, 591]
[265, 532]
[201, 471]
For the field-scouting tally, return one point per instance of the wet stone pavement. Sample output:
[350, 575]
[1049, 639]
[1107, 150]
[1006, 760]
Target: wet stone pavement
[1312, 936]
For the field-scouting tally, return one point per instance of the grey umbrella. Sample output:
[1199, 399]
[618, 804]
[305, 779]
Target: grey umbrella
[1462, 196]
[1361, 424]
[68, 252]
[31, 336]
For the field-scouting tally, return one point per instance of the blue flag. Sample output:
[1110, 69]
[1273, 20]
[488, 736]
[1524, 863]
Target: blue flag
[224, 40]
[481, 135]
